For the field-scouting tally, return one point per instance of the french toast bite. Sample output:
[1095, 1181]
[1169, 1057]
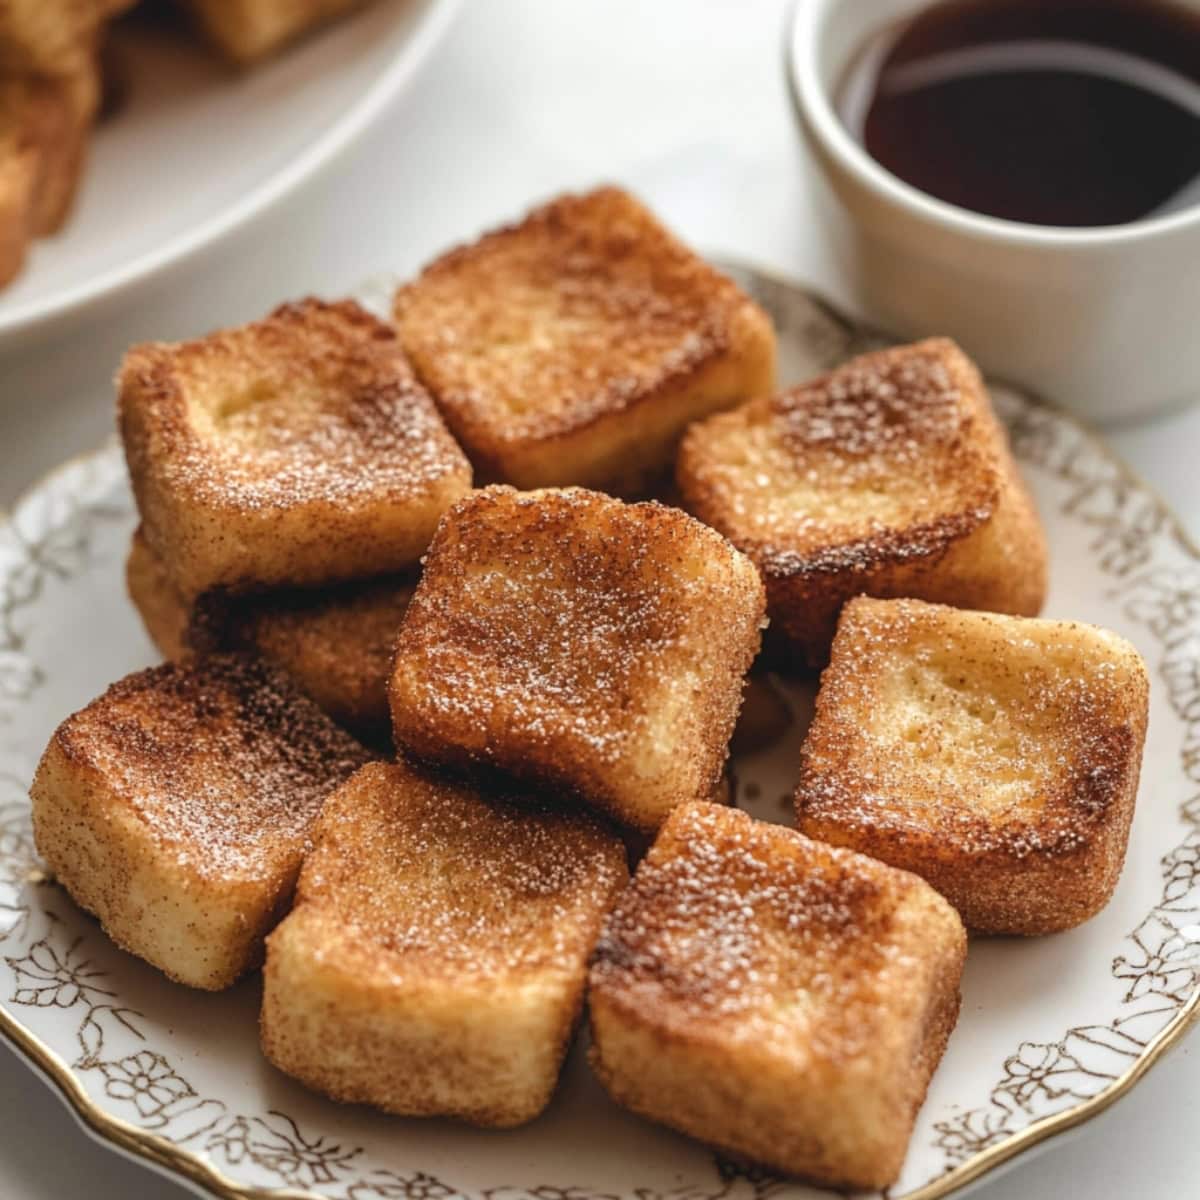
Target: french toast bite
[177, 808]
[781, 999]
[434, 962]
[52, 38]
[890, 476]
[248, 30]
[581, 643]
[335, 642]
[995, 756]
[575, 346]
[295, 451]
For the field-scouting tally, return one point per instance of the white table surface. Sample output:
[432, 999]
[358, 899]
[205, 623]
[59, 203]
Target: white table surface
[684, 100]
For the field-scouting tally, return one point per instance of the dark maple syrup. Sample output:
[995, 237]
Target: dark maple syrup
[1054, 112]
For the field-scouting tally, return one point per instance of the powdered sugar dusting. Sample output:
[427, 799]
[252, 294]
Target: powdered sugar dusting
[225, 762]
[316, 403]
[428, 875]
[729, 918]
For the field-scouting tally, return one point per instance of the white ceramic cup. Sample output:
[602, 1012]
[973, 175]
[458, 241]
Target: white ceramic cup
[1104, 320]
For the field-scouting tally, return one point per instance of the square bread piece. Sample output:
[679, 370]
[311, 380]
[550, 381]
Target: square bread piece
[889, 476]
[177, 808]
[778, 998]
[298, 450]
[995, 756]
[575, 346]
[247, 30]
[580, 643]
[335, 642]
[434, 963]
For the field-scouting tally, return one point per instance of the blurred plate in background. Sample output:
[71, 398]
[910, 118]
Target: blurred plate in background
[196, 149]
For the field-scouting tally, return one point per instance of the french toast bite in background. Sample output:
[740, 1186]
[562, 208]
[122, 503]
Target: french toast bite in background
[247, 30]
[890, 476]
[581, 643]
[782, 999]
[52, 39]
[434, 962]
[995, 756]
[294, 451]
[177, 808]
[44, 128]
[335, 642]
[575, 346]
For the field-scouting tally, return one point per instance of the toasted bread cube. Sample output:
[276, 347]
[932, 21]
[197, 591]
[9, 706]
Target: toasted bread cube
[335, 642]
[298, 450]
[581, 643]
[177, 808]
[890, 476]
[784, 1000]
[434, 963]
[247, 30]
[575, 347]
[995, 756]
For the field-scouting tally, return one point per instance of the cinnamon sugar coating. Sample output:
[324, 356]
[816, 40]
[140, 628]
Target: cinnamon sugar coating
[581, 643]
[335, 642]
[434, 963]
[294, 451]
[995, 756]
[575, 346]
[779, 998]
[890, 476]
[177, 808]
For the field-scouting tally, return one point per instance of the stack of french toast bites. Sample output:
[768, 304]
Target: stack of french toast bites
[351, 530]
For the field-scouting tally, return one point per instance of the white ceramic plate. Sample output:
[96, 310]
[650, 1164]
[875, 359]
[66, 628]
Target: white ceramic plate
[1052, 1030]
[197, 149]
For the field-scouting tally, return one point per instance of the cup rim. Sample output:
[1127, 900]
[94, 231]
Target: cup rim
[816, 112]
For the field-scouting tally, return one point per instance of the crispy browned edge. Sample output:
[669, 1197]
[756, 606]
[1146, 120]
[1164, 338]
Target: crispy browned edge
[926, 558]
[742, 323]
[1002, 887]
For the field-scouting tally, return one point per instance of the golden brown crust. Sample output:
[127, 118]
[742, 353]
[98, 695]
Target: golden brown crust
[783, 999]
[995, 756]
[434, 962]
[177, 807]
[575, 346]
[296, 450]
[889, 476]
[581, 643]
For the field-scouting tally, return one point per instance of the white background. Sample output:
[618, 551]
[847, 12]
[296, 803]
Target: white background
[683, 100]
